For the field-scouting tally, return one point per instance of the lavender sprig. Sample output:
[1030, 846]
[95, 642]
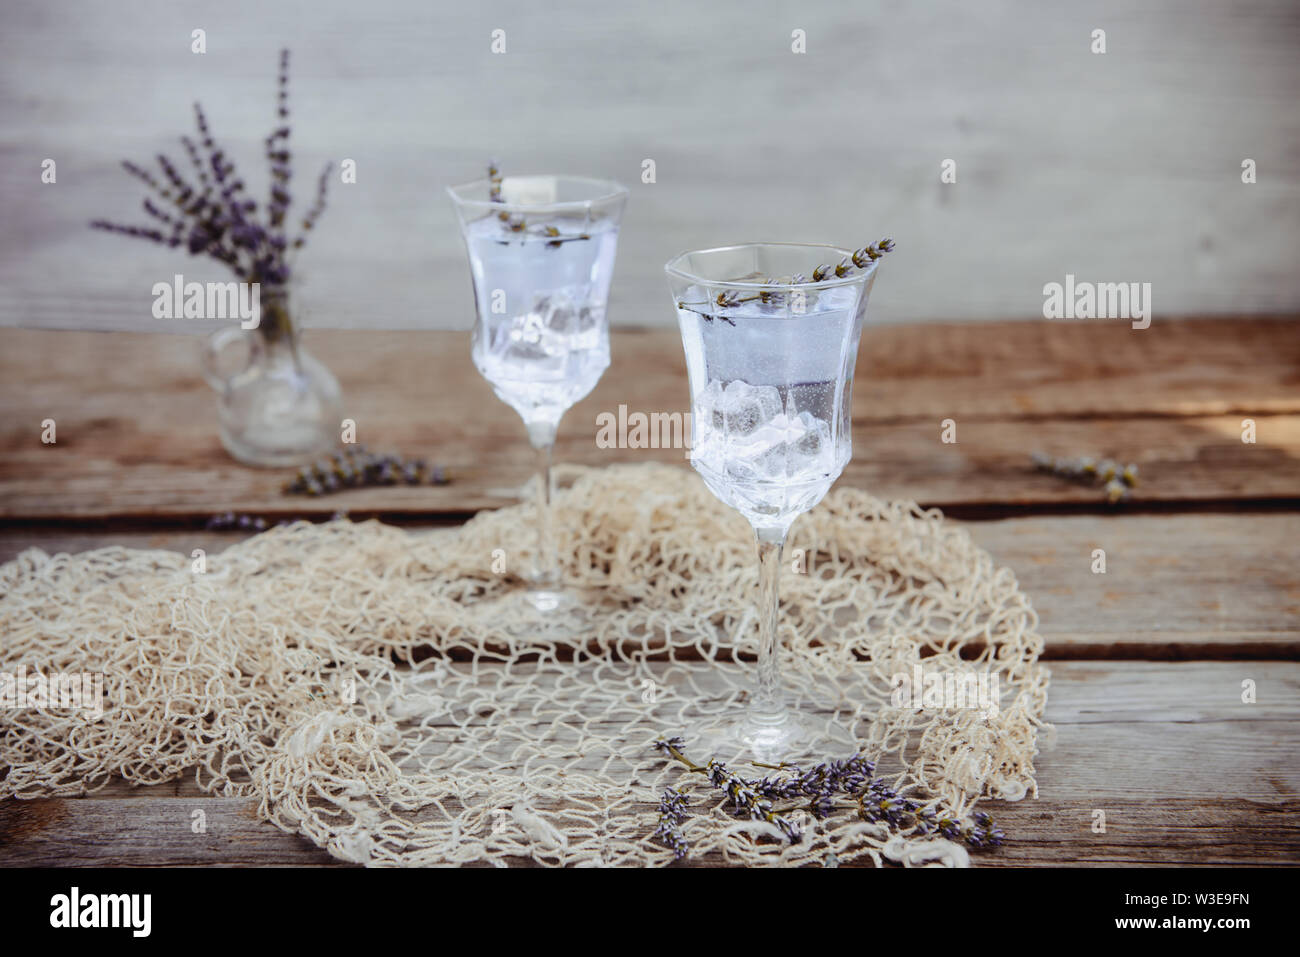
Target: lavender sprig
[494, 182]
[227, 520]
[224, 521]
[870, 253]
[318, 207]
[1117, 480]
[848, 783]
[277, 152]
[355, 467]
[212, 214]
[728, 299]
[745, 797]
[517, 224]
[672, 815]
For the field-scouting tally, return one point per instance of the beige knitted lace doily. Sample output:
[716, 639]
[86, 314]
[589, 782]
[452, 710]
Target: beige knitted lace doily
[363, 684]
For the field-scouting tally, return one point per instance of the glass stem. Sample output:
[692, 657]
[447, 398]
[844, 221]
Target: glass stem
[548, 568]
[767, 706]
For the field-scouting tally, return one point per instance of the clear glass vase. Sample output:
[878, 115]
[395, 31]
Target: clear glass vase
[277, 405]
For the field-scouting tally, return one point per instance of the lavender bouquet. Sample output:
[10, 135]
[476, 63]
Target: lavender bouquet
[281, 407]
[213, 214]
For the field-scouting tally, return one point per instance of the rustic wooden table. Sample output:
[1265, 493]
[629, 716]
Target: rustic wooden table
[1201, 591]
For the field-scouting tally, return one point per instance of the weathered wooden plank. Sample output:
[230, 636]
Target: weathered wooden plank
[146, 832]
[1148, 833]
[146, 444]
[1175, 586]
[997, 370]
[1184, 771]
[105, 468]
[156, 832]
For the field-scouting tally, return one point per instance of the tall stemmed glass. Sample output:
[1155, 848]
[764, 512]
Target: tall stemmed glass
[541, 251]
[770, 358]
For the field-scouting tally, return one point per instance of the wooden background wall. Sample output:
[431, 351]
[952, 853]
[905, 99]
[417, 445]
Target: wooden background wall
[1122, 167]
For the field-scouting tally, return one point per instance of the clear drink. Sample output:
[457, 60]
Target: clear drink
[542, 340]
[770, 402]
[541, 254]
[771, 356]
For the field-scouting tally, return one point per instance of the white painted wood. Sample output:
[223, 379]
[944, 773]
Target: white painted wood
[1115, 167]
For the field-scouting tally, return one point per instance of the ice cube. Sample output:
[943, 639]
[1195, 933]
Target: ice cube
[815, 438]
[555, 319]
[784, 447]
[708, 404]
[587, 328]
[773, 465]
[565, 324]
[745, 407]
[519, 343]
[760, 454]
[519, 335]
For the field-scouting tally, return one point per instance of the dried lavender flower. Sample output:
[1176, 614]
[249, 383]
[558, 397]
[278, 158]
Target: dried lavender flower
[317, 207]
[1117, 480]
[672, 815]
[745, 799]
[860, 259]
[213, 214]
[494, 181]
[870, 253]
[847, 783]
[356, 467]
[227, 520]
[552, 234]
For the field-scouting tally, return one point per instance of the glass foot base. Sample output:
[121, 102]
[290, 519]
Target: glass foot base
[794, 737]
[550, 612]
[292, 449]
[551, 599]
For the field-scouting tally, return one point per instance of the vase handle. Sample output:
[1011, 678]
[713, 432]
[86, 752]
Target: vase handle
[216, 344]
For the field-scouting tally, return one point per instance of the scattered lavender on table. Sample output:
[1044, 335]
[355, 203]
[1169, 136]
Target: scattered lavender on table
[213, 214]
[355, 467]
[848, 783]
[226, 520]
[672, 815]
[1118, 481]
[748, 798]
[984, 833]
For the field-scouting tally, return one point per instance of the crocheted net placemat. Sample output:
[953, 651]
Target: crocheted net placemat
[368, 687]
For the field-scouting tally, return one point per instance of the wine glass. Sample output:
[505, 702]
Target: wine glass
[541, 252]
[770, 355]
